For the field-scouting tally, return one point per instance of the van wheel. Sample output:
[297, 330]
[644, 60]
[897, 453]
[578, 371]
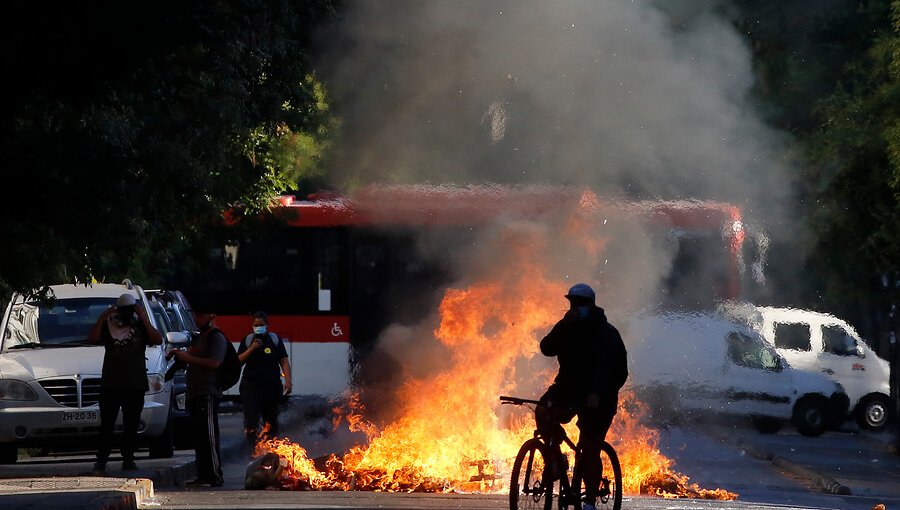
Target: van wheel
[9, 454]
[765, 425]
[872, 412]
[811, 415]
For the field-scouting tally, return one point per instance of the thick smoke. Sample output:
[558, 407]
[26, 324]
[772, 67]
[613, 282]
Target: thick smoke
[622, 97]
[618, 96]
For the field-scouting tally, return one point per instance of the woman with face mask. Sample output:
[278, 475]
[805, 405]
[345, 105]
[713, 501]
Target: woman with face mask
[265, 361]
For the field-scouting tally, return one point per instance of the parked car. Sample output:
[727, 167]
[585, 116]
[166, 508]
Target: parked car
[175, 314]
[700, 363]
[824, 343]
[50, 380]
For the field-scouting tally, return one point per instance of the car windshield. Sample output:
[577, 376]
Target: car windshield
[66, 321]
[751, 351]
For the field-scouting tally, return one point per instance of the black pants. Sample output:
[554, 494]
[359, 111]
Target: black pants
[131, 402]
[593, 424]
[260, 401]
[204, 416]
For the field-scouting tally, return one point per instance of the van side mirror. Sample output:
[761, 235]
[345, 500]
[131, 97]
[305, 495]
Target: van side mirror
[178, 339]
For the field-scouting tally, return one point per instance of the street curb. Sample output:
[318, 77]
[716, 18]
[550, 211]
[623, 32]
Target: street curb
[114, 493]
[111, 493]
[825, 483]
[171, 476]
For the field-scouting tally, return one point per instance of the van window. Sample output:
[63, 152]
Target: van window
[68, 320]
[743, 350]
[792, 336]
[838, 341]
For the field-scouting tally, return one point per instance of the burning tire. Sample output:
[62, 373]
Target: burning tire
[811, 415]
[872, 412]
[529, 488]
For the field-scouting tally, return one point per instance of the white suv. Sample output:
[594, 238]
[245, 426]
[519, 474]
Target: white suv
[50, 380]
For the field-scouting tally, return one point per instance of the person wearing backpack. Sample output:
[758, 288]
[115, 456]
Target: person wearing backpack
[265, 359]
[203, 359]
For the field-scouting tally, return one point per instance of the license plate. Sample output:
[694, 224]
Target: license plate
[70, 417]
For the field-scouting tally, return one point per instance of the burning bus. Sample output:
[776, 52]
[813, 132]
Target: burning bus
[437, 297]
[334, 272]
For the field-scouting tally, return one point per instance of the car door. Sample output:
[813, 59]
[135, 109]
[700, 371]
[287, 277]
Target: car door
[841, 359]
[756, 384]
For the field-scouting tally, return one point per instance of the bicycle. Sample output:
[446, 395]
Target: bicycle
[540, 462]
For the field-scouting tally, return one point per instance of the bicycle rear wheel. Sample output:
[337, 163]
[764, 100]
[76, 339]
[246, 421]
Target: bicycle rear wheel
[611, 484]
[529, 487]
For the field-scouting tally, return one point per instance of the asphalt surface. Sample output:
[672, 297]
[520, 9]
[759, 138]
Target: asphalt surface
[781, 471]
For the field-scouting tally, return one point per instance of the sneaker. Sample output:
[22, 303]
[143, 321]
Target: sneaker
[129, 465]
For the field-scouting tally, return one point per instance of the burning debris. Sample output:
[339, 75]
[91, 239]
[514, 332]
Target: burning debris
[264, 472]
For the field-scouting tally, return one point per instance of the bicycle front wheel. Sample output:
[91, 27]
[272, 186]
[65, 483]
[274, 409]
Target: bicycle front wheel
[530, 488]
[611, 483]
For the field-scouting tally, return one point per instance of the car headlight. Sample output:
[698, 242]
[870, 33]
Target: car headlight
[156, 383]
[16, 390]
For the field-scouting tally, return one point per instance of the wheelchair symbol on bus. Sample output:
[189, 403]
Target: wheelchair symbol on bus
[336, 330]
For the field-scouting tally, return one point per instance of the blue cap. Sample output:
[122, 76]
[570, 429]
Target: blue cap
[581, 290]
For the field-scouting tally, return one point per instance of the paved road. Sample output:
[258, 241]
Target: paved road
[729, 457]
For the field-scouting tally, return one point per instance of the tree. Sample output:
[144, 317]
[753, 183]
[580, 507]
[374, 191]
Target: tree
[857, 215]
[129, 126]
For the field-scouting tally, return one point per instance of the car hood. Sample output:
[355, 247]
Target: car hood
[30, 364]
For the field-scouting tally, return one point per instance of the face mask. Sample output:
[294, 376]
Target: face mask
[259, 330]
[583, 311]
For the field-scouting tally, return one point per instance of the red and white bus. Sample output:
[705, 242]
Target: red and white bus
[334, 271]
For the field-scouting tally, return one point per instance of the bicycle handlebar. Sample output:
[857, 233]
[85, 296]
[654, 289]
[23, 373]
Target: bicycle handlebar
[518, 401]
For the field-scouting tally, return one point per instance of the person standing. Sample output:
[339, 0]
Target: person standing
[265, 359]
[593, 366]
[125, 331]
[203, 359]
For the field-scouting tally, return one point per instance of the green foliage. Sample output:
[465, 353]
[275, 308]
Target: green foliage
[828, 71]
[855, 171]
[130, 127]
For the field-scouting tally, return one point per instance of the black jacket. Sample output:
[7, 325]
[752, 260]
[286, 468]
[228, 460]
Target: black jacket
[591, 355]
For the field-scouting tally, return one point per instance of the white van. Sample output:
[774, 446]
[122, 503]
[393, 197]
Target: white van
[823, 343]
[698, 363]
[50, 381]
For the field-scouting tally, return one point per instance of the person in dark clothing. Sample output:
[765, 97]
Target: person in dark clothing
[593, 366]
[203, 359]
[265, 359]
[125, 332]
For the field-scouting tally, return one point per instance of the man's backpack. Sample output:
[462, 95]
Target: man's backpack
[230, 370]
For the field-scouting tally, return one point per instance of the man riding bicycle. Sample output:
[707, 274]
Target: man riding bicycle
[593, 367]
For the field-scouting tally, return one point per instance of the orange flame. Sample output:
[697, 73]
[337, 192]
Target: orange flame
[451, 434]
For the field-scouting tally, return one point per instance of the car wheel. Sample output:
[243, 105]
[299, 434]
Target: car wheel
[766, 425]
[9, 454]
[872, 412]
[811, 415]
[162, 446]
